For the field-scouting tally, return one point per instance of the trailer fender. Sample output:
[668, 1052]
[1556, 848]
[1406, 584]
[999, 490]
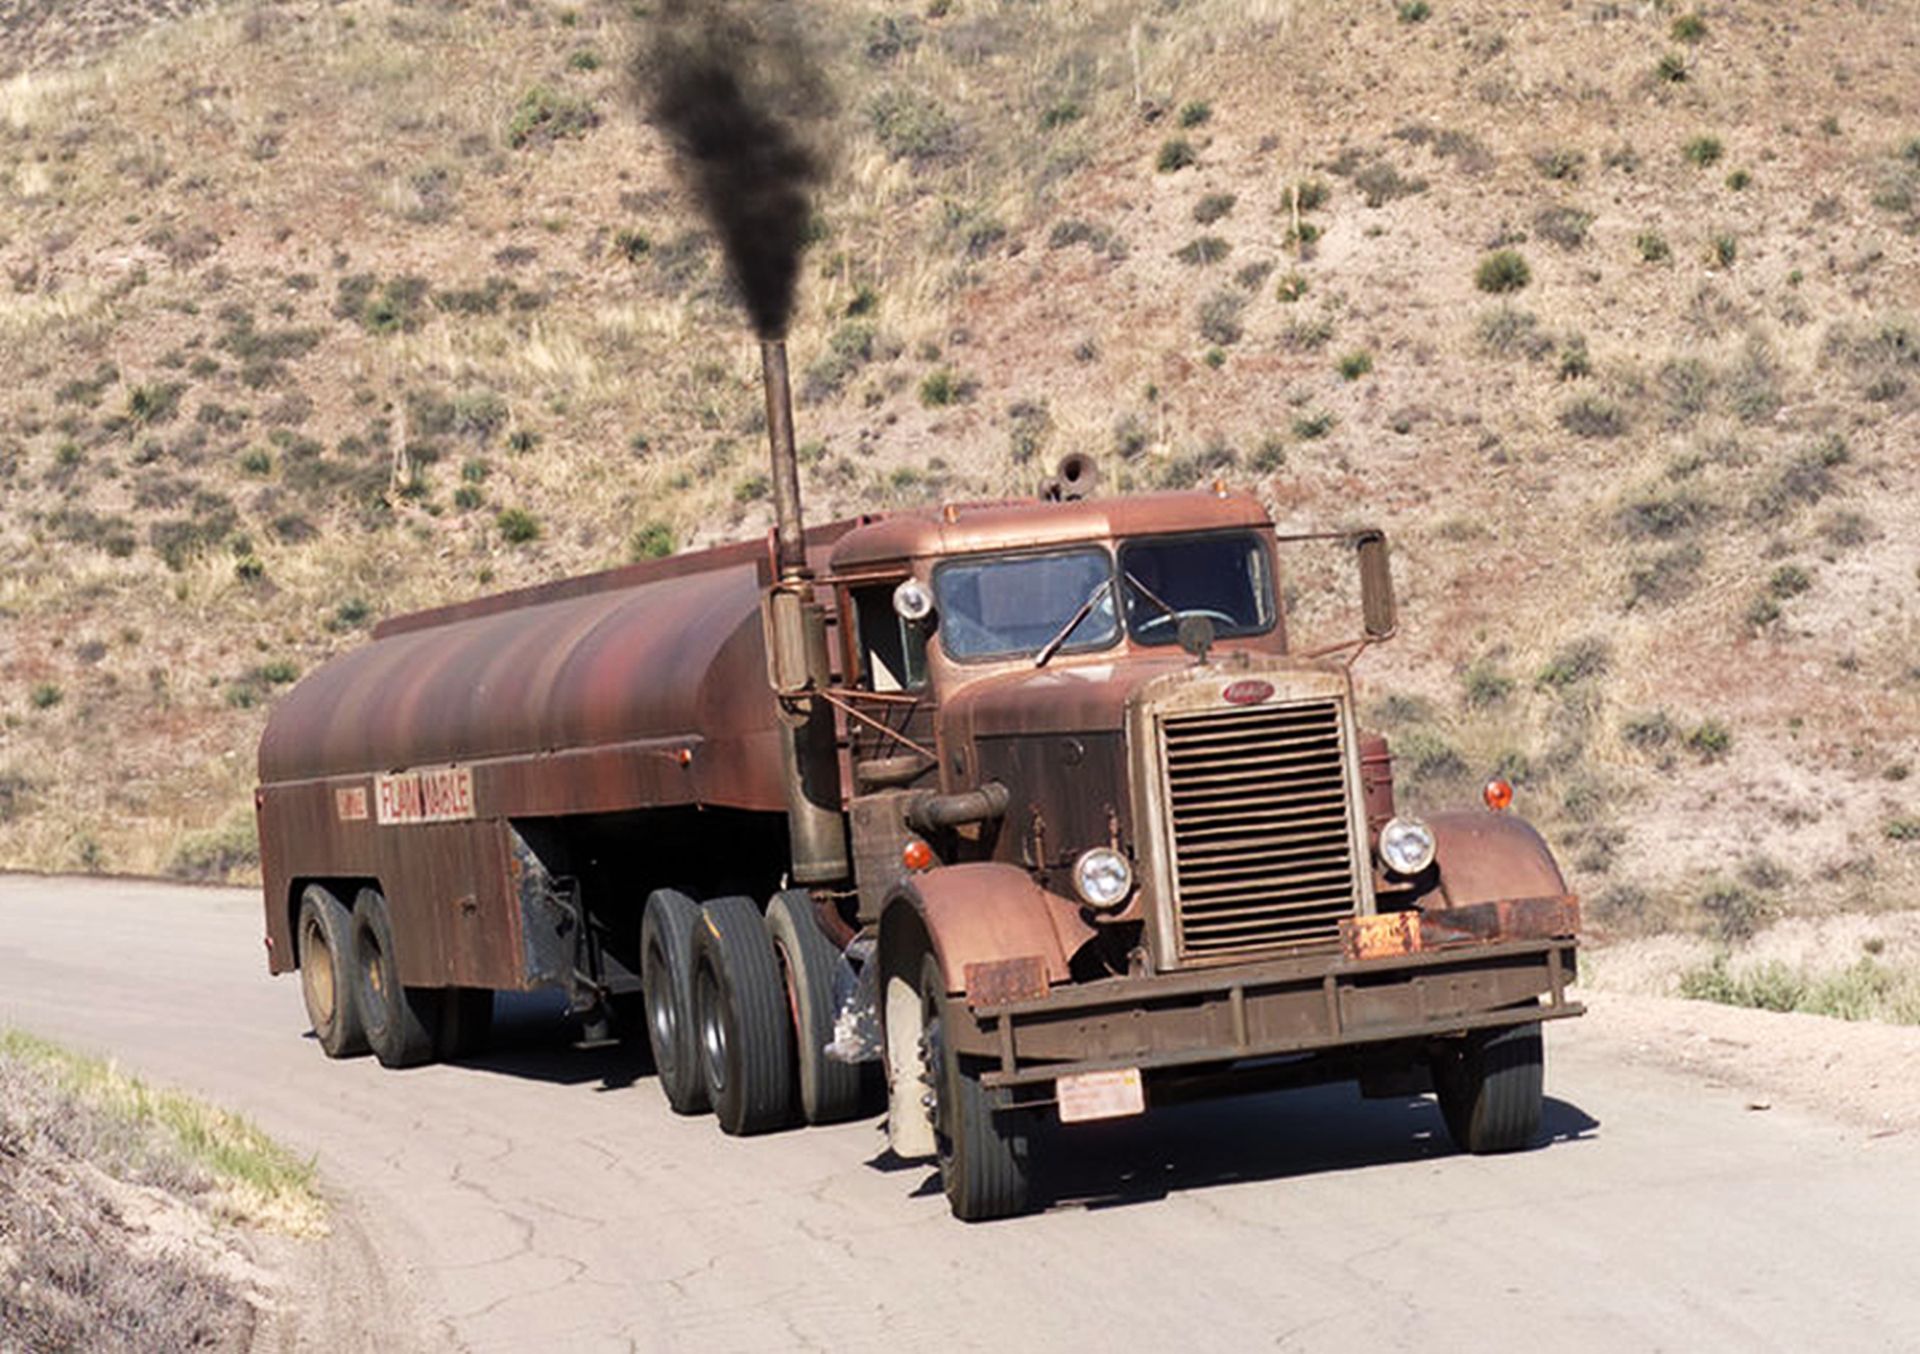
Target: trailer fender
[990, 917]
[1485, 857]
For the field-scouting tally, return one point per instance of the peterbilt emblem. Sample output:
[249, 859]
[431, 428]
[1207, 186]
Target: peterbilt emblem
[1249, 692]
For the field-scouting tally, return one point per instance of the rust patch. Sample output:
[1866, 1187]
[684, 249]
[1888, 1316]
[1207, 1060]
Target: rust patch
[1000, 981]
[1401, 933]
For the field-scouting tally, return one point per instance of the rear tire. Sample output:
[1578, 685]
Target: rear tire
[740, 1008]
[400, 1021]
[666, 977]
[1489, 1084]
[324, 942]
[466, 1022]
[830, 1090]
[985, 1157]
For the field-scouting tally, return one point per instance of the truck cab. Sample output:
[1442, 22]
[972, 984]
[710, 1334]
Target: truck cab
[1115, 837]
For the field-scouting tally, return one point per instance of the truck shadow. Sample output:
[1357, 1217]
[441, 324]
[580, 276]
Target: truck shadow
[537, 1038]
[1275, 1136]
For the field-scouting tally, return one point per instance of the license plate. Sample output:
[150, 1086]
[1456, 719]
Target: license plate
[1101, 1095]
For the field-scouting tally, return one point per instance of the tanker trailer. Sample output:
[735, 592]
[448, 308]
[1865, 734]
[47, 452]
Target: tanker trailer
[1033, 806]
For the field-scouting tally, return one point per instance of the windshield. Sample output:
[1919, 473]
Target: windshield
[1008, 605]
[1224, 577]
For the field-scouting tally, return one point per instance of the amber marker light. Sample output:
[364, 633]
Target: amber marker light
[917, 855]
[1498, 794]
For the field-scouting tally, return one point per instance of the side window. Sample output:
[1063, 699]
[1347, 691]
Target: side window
[893, 654]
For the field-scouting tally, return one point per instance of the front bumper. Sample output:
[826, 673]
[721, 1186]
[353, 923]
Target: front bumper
[1302, 1004]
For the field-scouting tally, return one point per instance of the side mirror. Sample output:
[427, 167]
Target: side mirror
[1376, 585]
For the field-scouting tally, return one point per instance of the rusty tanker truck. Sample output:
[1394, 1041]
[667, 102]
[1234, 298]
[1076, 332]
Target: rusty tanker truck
[1030, 811]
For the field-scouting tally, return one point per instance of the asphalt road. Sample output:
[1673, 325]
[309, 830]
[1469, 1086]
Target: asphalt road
[545, 1197]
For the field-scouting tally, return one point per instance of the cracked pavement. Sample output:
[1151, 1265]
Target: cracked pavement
[545, 1196]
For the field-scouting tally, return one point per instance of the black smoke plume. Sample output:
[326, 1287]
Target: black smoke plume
[733, 87]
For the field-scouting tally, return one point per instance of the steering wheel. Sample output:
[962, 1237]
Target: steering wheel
[1161, 618]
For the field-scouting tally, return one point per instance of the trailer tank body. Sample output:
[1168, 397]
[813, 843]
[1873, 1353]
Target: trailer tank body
[404, 760]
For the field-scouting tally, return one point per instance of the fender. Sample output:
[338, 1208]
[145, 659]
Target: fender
[984, 912]
[1485, 857]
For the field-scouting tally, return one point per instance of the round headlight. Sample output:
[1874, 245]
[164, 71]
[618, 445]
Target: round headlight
[1103, 877]
[912, 601]
[1406, 845]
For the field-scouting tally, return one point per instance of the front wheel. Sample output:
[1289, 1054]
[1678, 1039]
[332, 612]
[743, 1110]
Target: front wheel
[1489, 1083]
[984, 1154]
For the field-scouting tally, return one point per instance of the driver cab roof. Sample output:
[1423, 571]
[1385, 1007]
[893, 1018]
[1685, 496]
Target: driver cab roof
[973, 528]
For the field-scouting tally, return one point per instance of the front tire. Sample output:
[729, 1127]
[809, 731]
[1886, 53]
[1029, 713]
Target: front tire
[740, 1008]
[400, 1021]
[830, 1090]
[324, 937]
[666, 980]
[1489, 1084]
[985, 1157]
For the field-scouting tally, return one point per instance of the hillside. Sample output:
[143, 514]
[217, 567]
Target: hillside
[1609, 313]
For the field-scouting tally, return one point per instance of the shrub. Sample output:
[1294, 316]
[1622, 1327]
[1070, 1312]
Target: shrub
[752, 489]
[584, 60]
[1196, 113]
[1689, 28]
[1578, 661]
[44, 696]
[1212, 207]
[1061, 114]
[1176, 153]
[1739, 180]
[653, 540]
[217, 852]
[1220, 318]
[1563, 225]
[941, 387]
[1734, 912]
[1354, 365]
[1649, 731]
[1307, 333]
[545, 115]
[1414, 11]
[153, 403]
[1380, 183]
[1903, 830]
[1671, 69]
[631, 245]
[517, 526]
[1501, 272]
[1485, 685]
[1510, 332]
[1653, 247]
[1724, 250]
[913, 126]
[1710, 740]
[1291, 288]
[1310, 195]
[1665, 576]
[1593, 416]
[1703, 151]
[1031, 426]
[1559, 162]
[1203, 251]
[1315, 425]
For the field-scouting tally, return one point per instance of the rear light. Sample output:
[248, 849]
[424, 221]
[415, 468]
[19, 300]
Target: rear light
[917, 855]
[1498, 794]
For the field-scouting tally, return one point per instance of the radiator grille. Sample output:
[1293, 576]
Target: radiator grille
[1262, 841]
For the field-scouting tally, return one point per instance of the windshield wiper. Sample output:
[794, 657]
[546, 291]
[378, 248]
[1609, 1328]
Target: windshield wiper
[1052, 646]
[1153, 596]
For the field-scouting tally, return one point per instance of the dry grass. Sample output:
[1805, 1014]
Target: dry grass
[112, 1198]
[370, 138]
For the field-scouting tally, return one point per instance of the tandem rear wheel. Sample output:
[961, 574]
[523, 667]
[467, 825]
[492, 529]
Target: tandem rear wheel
[400, 1022]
